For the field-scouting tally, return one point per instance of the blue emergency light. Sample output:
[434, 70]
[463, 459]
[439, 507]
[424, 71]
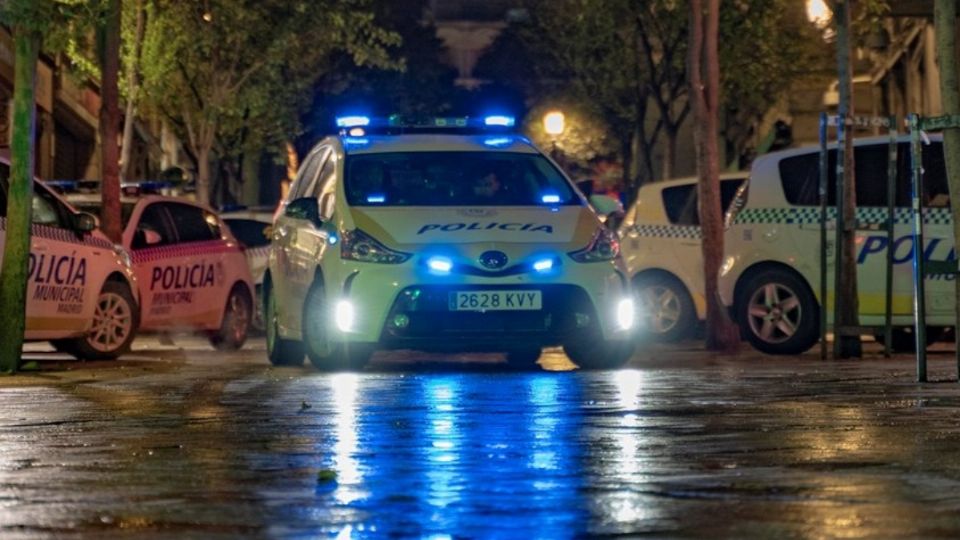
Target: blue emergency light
[499, 120]
[352, 121]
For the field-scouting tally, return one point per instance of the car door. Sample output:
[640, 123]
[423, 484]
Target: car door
[293, 241]
[65, 270]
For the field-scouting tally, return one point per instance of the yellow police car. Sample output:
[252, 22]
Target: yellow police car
[81, 289]
[445, 235]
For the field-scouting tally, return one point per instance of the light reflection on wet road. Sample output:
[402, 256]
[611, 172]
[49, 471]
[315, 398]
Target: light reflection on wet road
[215, 448]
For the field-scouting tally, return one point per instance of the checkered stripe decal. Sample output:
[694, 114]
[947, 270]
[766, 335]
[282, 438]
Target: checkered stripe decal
[190, 249]
[811, 215]
[258, 252]
[62, 235]
[668, 231]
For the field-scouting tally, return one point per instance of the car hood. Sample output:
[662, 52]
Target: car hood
[574, 225]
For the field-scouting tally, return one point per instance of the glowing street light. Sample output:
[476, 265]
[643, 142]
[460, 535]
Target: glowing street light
[553, 123]
[818, 13]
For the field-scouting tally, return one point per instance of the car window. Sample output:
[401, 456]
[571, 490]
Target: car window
[193, 224]
[46, 209]
[154, 218]
[681, 202]
[306, 177]
[326, 183]
[250, 232]
[455, 179]
[800, 176]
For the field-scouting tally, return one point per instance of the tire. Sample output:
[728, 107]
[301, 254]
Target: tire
[280, 351]
[322, 351]
[523, 357]
[235, 326]
[115, 323]
[666, 307]
[599, 354]
[778, 313]
[904, 341]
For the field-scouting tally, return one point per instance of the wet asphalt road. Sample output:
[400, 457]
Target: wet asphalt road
[682, 444]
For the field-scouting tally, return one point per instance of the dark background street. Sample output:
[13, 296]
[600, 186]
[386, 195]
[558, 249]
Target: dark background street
[182, 442]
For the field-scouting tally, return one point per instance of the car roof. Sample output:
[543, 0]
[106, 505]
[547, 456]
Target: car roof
[438, 142]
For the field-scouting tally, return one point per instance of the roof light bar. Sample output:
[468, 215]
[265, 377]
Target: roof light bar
[499, 120]
[352, 121]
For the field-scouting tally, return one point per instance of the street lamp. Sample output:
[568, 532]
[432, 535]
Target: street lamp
[553, 124]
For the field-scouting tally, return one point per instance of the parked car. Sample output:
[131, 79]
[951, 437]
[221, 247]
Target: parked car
[661, 244]
[192, 271]
[251, 227]
[82, 292]
[771, 275]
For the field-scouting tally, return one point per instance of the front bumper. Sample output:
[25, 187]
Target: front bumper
[404, 306]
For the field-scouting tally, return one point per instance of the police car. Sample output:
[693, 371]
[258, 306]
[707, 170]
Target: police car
[449, 235]
[81, 289]
[771, 272]
[192, 272]
[251, 227]
[661, 246]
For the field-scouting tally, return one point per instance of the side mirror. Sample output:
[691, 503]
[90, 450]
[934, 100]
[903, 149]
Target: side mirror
[84, 222]
[305, 208]
[606, 206]
[151, 237]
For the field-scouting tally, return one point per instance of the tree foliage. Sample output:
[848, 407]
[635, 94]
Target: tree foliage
[233, 74]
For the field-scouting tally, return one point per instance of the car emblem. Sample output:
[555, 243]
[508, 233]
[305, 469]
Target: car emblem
[493, 260]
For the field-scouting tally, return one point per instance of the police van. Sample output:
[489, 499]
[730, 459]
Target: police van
[81, 288]
[661, 244]
[448, 234]
[192, 272]
[771, 272]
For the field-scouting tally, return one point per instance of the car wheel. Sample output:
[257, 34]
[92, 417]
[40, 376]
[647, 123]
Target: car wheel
[323, 351]
[115, 322]
[599, 354]
[523, 357]
[666, 307]
[903, 340]
[280, 351]
[778, 313]
[236, 321]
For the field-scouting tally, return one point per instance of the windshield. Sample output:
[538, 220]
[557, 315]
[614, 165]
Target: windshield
[455, 179]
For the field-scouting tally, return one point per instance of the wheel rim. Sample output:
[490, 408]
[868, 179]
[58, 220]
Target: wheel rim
[112, 323]
[662, 308]
[774, 313]
[239, 317]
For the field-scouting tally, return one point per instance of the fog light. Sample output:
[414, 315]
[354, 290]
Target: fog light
[400, 321]
[440, 265]
[344, 315]
[626, 313]
[543, 265]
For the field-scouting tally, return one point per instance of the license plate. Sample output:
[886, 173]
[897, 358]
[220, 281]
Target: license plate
[495, 301]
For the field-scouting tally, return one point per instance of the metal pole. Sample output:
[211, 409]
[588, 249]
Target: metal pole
[891, 220]
[838, 240]
[919, 299]
[823, 235]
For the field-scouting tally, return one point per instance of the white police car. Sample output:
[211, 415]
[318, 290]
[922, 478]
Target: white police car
[661, 243]
[192, 272]
[81, 289]
[431, 238]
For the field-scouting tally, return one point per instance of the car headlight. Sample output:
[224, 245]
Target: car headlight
[357, 245]
[123, 255]
[603, 247]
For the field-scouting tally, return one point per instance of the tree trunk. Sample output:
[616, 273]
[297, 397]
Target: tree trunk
[945, 20]
[16, 253]
[203, 174]
[133, 88]
[704, 72]
[845, 293]
[110, 219]
[670, 153]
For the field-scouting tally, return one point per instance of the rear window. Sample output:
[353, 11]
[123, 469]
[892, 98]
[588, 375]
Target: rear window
[681, 202]
[126, 209]
[249, 232]
[800, 176]
[455, 179]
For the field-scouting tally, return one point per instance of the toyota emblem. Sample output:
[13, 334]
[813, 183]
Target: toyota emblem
[494, 260]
